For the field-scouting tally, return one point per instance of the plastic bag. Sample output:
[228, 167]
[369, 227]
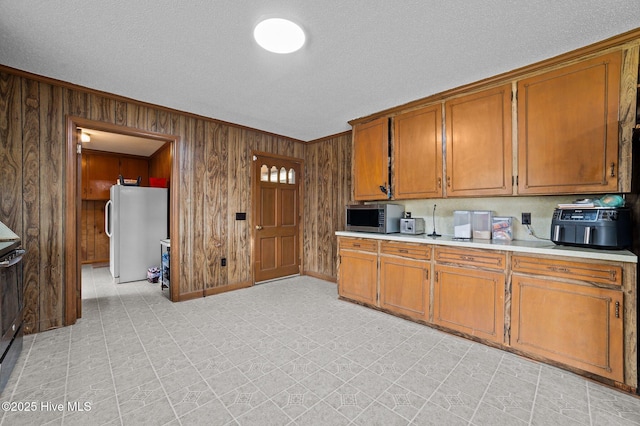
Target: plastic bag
[153, 274]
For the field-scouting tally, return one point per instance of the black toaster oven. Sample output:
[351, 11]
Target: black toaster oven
[596, 227]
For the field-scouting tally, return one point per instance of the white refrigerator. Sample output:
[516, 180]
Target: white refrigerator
[136, 219]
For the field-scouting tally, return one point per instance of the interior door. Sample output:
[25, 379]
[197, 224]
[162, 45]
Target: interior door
[276, 217]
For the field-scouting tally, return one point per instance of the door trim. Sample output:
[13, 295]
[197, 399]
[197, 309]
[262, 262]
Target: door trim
[254, 212]
[73, 201]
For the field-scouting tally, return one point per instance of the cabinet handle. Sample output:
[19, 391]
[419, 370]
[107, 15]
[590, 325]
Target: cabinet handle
[613, 169]
[558, 269]
[617, 309]
[403, 251]
[469, 258]
[426, 272]
[439, 182]
[449, 181]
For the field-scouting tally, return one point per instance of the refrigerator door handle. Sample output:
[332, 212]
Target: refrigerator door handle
[107, 218]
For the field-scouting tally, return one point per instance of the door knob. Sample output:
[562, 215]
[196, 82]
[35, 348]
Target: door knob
[258, 227]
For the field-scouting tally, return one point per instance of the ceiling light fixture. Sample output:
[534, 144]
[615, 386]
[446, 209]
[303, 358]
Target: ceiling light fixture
[85, 137]
[279, 35]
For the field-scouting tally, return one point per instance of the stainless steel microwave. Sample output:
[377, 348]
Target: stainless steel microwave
[378, 218]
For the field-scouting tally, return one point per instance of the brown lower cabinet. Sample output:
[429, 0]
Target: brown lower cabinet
[358, 271]
[577, 325]
[561, 311]
[404, 284]
[576, 313]
[468, 291]
[470, 301]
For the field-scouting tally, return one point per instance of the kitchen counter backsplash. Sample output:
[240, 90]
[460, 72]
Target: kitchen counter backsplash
[541, 209]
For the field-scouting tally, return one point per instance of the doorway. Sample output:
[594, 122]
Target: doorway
[73, 205]
[277, 216]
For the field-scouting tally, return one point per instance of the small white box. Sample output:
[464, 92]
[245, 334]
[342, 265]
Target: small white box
[481, 224]
[462, 224]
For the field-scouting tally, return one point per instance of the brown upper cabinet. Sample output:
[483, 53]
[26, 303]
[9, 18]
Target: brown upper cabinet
[99, 173]
[134, 167]
[568, 128]
[371, 159]
[417, 153]
[479, 147]
[101, 170]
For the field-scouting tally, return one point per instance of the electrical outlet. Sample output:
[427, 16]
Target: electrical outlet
[223, 261]
[526, 218]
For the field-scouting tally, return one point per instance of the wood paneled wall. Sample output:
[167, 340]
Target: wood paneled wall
[327, 192]
[31, 197]
[94, 242]
[215, 184]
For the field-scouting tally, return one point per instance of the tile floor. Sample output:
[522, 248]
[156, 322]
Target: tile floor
[283, 353]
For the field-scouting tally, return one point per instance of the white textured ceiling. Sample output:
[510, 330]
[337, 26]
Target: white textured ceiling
[361, 56]
[124, 144]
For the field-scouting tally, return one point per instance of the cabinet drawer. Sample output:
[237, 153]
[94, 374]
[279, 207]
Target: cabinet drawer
[591, 272]
[358, 244]
[481, 259]
[413, 251]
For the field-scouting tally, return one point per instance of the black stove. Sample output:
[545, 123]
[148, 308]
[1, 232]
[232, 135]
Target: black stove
[8, 246]
[11, 306]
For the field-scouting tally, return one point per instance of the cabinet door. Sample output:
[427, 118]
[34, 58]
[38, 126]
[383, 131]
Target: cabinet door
[358, 276]
[580, 326]
[417, 153]
[568, 129]
[132, 167]
[404, 286]
[371, 159]
[470, 301]
[479, 151]
[102, 173]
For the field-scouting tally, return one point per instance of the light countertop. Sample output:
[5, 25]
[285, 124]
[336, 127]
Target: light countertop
[521, 246]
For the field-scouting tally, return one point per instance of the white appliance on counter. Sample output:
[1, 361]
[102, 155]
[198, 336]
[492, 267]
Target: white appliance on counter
[136, 218]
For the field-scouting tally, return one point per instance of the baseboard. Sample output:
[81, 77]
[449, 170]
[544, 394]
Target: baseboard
[190, 296]
[321, 276]
[223, 289]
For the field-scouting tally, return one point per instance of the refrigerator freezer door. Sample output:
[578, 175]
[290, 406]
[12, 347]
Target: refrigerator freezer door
[111, 212]
[140, 222]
